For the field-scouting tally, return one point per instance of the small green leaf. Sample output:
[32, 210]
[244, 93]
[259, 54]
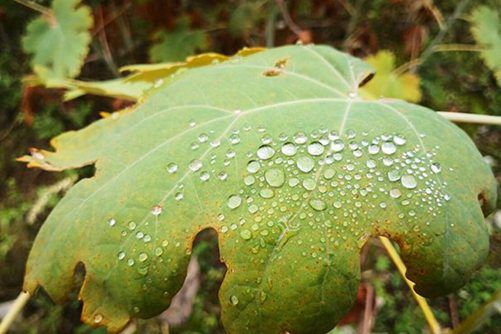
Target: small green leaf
[178, 44]
[59, 42]
[486, 29]
[277, 153]
[389, 84]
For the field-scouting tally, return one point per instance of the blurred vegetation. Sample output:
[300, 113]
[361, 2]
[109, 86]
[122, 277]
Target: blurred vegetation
[428, 41]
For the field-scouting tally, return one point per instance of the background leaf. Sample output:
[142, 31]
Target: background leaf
[59, 42]
[486, 28]
[279, 155]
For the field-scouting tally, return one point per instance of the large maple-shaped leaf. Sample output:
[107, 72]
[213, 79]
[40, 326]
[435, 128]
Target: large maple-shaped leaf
[278, 153]
[59, 41]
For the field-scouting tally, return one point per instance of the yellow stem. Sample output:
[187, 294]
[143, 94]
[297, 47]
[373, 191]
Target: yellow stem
[14, 311]
[428, 314]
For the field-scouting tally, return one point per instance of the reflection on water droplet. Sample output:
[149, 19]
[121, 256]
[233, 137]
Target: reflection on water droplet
[265, 152]
[275, 177]
[234, 201]
[408, 181]
[289, 149]
[234, 300]
[315, 149]
[305, 164]
[373, 149]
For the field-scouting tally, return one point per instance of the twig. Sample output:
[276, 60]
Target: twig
[457, 47]
[36, 7]
[287, 18]
[459, 117]
[14, 311]
[270, 25]
[428, 314]
[453, 310]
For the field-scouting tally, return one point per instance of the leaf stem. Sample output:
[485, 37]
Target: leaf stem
[36, 7]
[428, 314]
[14, 311]
[459, 117]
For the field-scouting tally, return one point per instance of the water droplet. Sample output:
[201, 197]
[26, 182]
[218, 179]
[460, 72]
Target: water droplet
[121, 255]
[309, 184]
[373, 149]
[234, 300]
[249, 180]
[305, 164]
[293, 182]
[300, 138]
[234, 201]
[98, 318]
[204, 176]
[371, 164]
[408, 181]
[399, 140]
[337, 145]
[266, 193]
[395, 193]
[388, 148]
[234, 139]
[215, 143]
[143, 257]
[329, 173]
[158, 251]
[337, 205]
[435, 167]
[130, 262]
[132, 225]
[394, 175]
[275, 177]
[195, 165]
[203, 137]
[246, 234]
[156, 210]
[318, 204]
[112, 222]
[265, 152]
[172, 168]
[192, 123]
[222, 176]
[139, 235]
[179, 196]
[253, 166]
[289, 149]
[315, 149]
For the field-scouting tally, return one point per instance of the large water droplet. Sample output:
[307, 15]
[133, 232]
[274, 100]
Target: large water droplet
[337, 145]
[305, 164]
[275, 177]
[388, 148]
[265, 152]
[315, 149]
[234, 201]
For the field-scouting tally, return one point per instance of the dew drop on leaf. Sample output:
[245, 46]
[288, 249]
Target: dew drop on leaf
[253, 166]
[388, 148]
[234, 300]
[408, 181]
[234, 201]
[172, 168]
[275, 177]
[266, 193]
[395, 193]
[265, 152]
[337, 145]
[289, 149]
[435, 167]
[246, 234]
[318, 204]
[143, 257]
[305, 164]
[195, 165]
[398, 140]
[315, 149]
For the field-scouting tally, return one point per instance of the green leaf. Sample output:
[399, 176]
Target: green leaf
[178, 44]
[486, 29]
[389, 84]
[279, 155]
[60, 41]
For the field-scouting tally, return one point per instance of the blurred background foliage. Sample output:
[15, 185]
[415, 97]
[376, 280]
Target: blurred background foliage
[443, 54]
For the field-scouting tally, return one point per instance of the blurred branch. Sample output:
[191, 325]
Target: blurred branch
[457, 47]
[282, 6]
[14, 311]
[477, 318]
[36, 7]
[270, 25]
[470, 118]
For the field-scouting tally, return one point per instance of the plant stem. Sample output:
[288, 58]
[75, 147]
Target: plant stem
[458, 47]
[36, 7]
[470, 118]
[14, 311]
[428, 314]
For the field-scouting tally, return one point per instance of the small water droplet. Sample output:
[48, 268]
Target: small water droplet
[398, 140]
[172, 168]
[179, 196]
[394, 175]
[373, 149]
[204, 176]
[337, 145]
[132, 225]
[98, 318]
[203, 137]
[266, 193]
[300, 138]
[143, 257]
[121, 255]
[275, 177]
[371, 164]
[253, 166]
[246, 234]
[158, 251]
[234, 201]
[156, 210]
[395, 193]
[234, 300]
[112, 222]
[435, 167]
[318, 204]
[309, 184]
[249, 180]
[329, 173]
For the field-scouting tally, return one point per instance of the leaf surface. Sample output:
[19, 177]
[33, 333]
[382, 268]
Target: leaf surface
[277, 153]
[59, 42]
